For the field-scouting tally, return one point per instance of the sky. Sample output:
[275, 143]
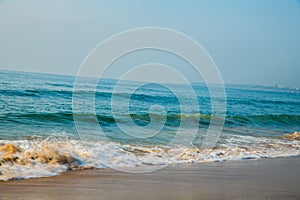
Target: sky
[251, 42]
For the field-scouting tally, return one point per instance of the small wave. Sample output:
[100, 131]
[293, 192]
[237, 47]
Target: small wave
[36, 157]
[173, 119]
[291, 136]
[263, 119]
[66, 85]
[37, 93]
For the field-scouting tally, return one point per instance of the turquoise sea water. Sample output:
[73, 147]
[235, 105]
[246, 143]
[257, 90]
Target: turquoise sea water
[36, 110]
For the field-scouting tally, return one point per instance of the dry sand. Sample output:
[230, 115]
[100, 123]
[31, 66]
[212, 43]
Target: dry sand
[250, 179]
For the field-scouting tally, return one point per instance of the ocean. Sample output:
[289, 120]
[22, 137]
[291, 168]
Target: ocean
[39, 136]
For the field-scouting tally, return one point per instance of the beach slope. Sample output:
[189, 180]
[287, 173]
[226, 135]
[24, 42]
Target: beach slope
[249, 179]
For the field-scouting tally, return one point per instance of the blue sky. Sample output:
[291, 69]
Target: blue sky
[252, 42]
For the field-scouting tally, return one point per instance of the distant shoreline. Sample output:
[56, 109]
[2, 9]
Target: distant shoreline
[276, 87]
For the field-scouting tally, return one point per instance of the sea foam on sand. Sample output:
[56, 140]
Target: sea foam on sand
[21, 159]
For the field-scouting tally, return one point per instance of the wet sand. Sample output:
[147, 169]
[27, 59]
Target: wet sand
[249, 179]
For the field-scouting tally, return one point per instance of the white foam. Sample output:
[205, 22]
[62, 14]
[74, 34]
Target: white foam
[124, 155]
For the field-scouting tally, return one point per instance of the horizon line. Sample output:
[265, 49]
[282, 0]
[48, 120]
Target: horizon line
[278, 86]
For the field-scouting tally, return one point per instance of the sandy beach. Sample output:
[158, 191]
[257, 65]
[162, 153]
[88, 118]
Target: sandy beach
[249, 179]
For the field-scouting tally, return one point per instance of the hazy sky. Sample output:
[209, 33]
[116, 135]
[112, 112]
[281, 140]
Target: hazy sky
[256, 42]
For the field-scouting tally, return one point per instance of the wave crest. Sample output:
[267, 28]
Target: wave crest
[291, 136]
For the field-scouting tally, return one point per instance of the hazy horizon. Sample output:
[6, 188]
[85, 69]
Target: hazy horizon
[228, 85]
